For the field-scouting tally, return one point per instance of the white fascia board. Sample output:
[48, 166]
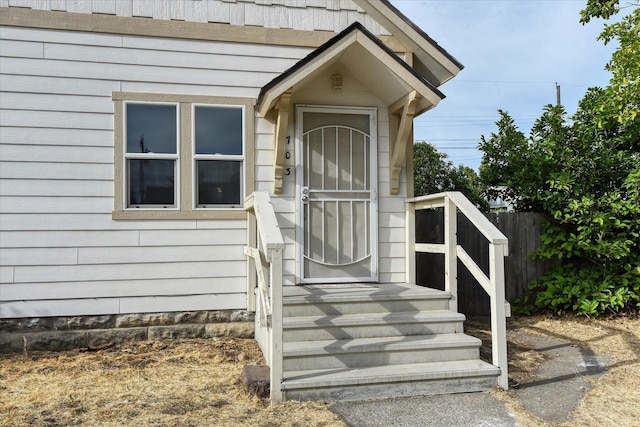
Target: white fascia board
[402, 73]
[411, 38]
[301, 74]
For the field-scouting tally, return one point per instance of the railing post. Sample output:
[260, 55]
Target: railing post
[275, 287]
[498, 318]
[251, 266]
[410, 244]
[451, 252]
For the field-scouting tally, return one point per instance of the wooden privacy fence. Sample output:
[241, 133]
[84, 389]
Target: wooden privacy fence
[523, 231]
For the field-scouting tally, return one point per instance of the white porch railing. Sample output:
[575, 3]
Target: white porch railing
[265, 245]
[454, 202]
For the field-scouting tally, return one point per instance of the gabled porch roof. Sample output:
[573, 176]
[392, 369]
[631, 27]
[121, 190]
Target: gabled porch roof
[376, 66]
[430, 59]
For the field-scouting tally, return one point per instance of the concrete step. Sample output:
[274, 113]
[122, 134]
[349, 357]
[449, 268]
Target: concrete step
[379, 382]
[366, 325]
[311, 301]
[377, 351]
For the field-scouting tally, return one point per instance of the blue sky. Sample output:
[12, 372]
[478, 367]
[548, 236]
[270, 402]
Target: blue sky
[514, 51]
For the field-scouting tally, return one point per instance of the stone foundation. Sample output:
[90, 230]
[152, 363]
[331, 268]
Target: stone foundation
[68, 333]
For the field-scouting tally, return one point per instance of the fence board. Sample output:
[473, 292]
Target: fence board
[523, 231]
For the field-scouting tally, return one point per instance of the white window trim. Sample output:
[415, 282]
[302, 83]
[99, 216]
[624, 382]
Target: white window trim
[195, 157]
[152, 156]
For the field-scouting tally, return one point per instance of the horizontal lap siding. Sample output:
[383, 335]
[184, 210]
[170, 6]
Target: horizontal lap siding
[283, 204]
[391, 211]
[60, 251]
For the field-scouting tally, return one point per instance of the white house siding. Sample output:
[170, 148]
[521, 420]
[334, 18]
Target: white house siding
[320, 15]
[61, 252]
[391, 212]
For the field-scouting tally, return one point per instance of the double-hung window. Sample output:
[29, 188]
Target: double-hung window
[218, 156]
[152, 160]
[182, 156]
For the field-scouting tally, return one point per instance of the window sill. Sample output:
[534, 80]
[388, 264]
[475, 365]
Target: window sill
[153, 214]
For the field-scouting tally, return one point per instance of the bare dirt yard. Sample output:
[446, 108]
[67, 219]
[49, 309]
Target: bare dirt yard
[197, 382]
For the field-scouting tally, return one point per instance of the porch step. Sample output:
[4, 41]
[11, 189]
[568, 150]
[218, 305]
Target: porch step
[377, 382]
[378, 351]
[389, 298]
[366, 325]
[364, 341]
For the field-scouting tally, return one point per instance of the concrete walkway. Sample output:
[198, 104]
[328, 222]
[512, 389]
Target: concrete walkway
[560, 384]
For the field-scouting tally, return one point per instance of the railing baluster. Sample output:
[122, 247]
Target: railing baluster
[276, 367]
[252, 241]
[451, 252]
[498, 318]
[498, 249]
[410, 242]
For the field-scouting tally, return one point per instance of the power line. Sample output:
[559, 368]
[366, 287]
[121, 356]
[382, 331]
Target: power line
[454, 139]
[486, 116]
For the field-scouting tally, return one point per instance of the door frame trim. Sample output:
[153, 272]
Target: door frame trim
[372, 112]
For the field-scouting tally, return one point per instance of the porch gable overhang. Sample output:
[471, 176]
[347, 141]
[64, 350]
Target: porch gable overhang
[430, 59]
[355, 40]
[378, 68]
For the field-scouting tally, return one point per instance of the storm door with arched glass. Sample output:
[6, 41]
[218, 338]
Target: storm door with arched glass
[336, 195]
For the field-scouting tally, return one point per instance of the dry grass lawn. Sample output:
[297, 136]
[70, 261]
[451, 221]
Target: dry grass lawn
[197, 382]
[166, 383]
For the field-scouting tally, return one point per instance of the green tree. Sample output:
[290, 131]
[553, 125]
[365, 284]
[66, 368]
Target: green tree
[434, 173]
[622, 95]
[583, 175]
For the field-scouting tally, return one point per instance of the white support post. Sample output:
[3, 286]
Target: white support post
[410, 242]
[251, 265]
[275, 286]
[498, 319]
[450, 253]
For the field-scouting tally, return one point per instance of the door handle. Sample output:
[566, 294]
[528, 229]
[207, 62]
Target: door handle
[304, 194]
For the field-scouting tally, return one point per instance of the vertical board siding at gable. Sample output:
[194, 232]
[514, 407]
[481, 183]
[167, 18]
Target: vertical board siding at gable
[218, 12]
[318, 15]
[106, 7]
[57, 170]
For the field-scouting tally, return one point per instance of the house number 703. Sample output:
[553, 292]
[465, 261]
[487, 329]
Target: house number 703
[288, 156]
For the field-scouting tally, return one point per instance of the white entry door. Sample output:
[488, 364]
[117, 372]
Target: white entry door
[336, 190]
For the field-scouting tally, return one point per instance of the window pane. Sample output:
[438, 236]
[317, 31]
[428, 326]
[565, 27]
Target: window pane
[219, 182]
[151, 128]
[151, 182]
[218, 130]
